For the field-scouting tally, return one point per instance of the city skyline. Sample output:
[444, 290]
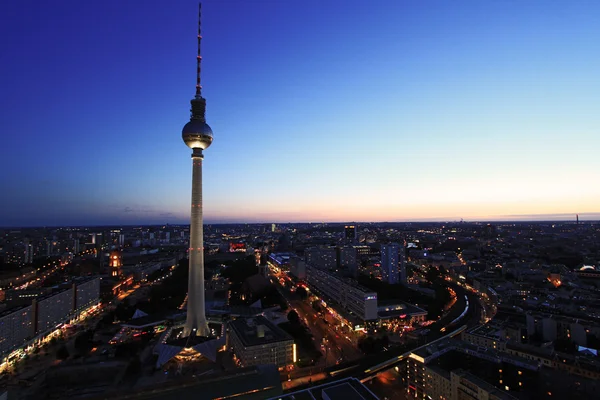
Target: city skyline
[326, 112]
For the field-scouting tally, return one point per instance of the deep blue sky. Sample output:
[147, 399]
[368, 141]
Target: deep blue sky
[321, 110]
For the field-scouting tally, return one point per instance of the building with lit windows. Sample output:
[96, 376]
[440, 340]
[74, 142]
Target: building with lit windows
[349, 260]
[344, 294]
[389, 263]
[350, 233]
[257, 341]
[28, 256]
[434, 369]
[321, 257]
[24, 323]
[15, 328]
[87, 293]
[51, 310]
[115, 263]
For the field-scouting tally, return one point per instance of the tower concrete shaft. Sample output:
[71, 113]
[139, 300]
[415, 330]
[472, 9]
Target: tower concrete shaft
[196, 323]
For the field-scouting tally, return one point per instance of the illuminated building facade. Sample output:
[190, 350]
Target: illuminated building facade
[115, 263]
[20, 324]
[350, 233]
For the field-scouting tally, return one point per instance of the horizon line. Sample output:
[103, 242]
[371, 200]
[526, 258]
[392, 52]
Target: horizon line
[441, 221]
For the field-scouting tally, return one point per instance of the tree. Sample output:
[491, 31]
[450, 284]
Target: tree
[134, 366]
[293, 317]
[83, 342]
[62, 353]
[432, 274]
[301, 292]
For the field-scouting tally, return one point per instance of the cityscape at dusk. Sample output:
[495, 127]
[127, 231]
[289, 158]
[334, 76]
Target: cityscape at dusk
[326, 111]
[393, 200]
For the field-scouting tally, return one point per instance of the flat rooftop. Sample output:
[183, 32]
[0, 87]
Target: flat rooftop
[257, 331]
[488, 387]
[488, 330]
[396, 309]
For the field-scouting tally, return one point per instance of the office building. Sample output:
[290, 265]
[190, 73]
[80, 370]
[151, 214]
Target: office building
[298, 268]
[198, 136]
[355, 302]
[22, 324]
[321, 257]
[349, 260]
[51, 310]
[350, 233]
[389, 263]
[87, 293]
[28, 256]
[257, 341]
[15, 328]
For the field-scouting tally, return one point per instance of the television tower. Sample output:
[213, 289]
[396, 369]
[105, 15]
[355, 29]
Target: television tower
[198, 136]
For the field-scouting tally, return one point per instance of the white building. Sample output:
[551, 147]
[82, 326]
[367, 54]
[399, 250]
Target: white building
[353, 298]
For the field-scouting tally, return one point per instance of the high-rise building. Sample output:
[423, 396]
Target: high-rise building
[273, 227]
[28, 256]
[115, 263]
[349, 260]
[198, 136]
[389, 263]
[350, 232]
[76, 246]
[402, 262]
[121, 240]
[168, 237]
[321, 257]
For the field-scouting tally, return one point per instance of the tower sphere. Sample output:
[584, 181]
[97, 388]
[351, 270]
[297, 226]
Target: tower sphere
[197, 134]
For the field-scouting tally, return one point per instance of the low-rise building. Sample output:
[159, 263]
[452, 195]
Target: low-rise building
[257, 341]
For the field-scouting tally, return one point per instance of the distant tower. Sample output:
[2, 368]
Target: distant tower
[577, 216]
[115, 263]
[198, 136]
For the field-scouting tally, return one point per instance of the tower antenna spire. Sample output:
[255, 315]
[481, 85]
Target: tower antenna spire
[199, 56]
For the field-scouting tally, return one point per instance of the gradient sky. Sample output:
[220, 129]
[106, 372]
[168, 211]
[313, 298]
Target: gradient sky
[322, 110]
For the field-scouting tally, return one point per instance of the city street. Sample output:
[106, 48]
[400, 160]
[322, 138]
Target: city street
[337, 346]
